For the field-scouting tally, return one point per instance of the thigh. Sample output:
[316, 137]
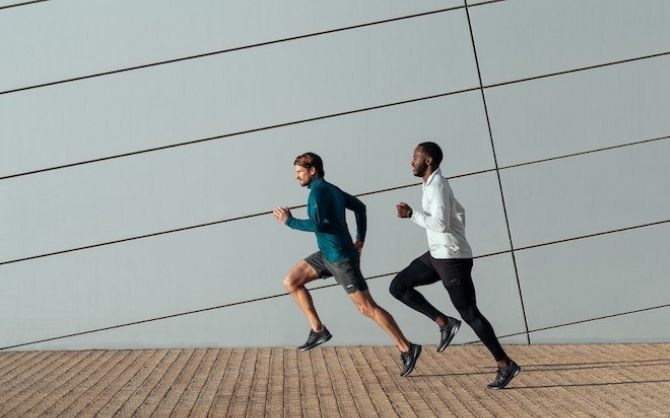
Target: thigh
[318, 264]
[418, 273]
[302, 273]
[347, 273]
[453, 271]
[462, 293]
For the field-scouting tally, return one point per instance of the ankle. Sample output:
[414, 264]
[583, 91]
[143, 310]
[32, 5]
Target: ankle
[504, 363]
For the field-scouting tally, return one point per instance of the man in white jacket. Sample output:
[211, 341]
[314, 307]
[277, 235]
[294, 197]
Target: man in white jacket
[449, 260]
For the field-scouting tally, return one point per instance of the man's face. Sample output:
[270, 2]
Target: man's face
[420, 162]
[304, 175]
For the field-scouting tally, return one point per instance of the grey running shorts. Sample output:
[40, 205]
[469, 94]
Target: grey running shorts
[347, 272]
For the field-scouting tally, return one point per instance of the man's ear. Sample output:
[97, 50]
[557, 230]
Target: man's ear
[312, 171]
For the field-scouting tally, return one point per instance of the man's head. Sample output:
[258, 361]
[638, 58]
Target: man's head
[307, 167]
[427, 157]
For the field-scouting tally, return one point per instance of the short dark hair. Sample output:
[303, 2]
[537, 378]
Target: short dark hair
[309, 160]
[433, 150]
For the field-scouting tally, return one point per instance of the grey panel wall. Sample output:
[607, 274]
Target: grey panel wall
[577, 99]
[142, 148]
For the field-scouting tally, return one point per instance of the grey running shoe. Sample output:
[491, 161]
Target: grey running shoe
[315, 339]
[505, 375]
[447, 334]
[409, 359]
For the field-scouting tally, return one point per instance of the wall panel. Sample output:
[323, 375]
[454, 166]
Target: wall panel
[588, 194]
[580, 112]
[649, 326]
[525, 38]
[591, 144]
[597, 277]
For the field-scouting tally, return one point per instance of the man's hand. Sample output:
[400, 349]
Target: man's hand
[281, 214]
[359, 245]
[404, 210]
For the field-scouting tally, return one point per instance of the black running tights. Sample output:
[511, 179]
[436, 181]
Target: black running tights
[462, 295]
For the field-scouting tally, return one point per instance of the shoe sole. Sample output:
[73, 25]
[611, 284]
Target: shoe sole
[317, 343]
[454, 330]
[506, 383]
[411, 368]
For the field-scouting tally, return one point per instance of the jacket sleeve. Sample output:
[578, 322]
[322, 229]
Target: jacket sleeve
[354, 204]
[437, 219]
[316, 221]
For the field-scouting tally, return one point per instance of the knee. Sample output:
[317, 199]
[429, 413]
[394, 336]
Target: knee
[469, 314]
[396, 288]
[366, 309]
[291, 283]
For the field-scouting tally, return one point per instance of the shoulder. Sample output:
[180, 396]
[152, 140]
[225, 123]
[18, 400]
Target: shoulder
[441, 185]
[330, 188]
[323, 190]
[443, 182]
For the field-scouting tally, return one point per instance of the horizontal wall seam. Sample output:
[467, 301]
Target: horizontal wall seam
[567, 324]
[592, 151]
[593, 235]
[484, 3]
[318, 118]
[580, 69]
[25, 3]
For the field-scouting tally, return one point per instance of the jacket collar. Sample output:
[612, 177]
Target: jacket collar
[315, 182]
[432, 176]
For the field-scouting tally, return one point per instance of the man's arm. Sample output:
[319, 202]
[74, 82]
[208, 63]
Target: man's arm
[354, 204]
[438, 218]
[307, 225]
[315, 223]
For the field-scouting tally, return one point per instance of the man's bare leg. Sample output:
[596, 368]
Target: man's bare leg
[369, 308]
[295, 281]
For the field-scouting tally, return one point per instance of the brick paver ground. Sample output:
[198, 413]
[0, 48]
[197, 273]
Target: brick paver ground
[621, 380]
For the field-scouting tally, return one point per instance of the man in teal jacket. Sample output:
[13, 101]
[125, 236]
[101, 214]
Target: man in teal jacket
[338, 256]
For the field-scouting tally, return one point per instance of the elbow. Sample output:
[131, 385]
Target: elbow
[440, 227]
